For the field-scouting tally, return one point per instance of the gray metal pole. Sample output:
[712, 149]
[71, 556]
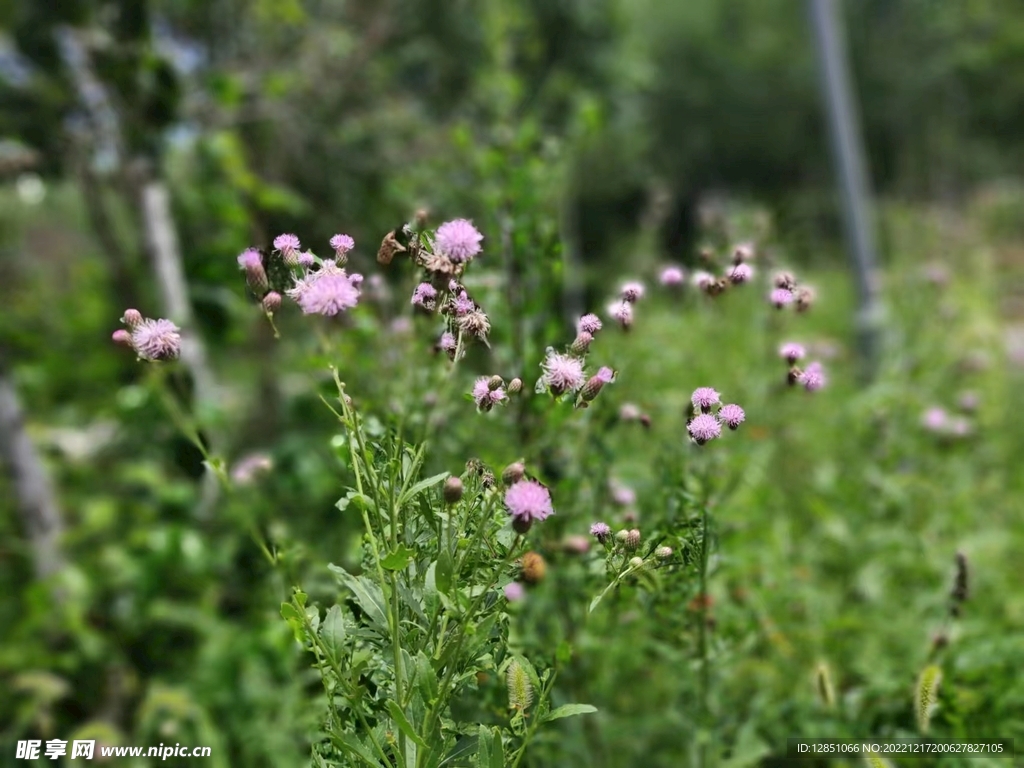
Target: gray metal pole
[847, 149]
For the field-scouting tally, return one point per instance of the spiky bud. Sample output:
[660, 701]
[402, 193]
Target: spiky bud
[452, 490]
[487, 479]
[122, 337]
[784, 280]
[622, 536]
[927, 695]
[132, 317]
[272, 302]
[636, 562]
[514, 386]
[663, 553]
[520, 689]
[632, 539]
[475, 323]
[513, 473]
[581, 344]
[534, 567]
[495, 382]
[592, 388]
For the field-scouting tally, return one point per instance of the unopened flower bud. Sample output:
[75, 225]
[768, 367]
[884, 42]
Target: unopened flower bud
[784, 280]
[495, 382]
[514, 386]
[632, 539]
[663, 553]
[272, 302]
[581, 344]
[452, 490]
[591, 388]
[636, 562]
[487, 479]
[421, 217]
[622, 536]
[122, 337]
[513, 473]
[132, 317]
[804, 298]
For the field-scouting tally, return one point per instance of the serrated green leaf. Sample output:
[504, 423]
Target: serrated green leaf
[403, 723]
[426, 678]
[367, 594]
[569, 710]
[399, 559]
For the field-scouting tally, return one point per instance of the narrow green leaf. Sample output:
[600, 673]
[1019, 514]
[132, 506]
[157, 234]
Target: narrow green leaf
[332, 632]
[403, 723]
[399, 559]
[497, 751]
[350, 743]
[421, 486]
[443, 573]
[569, 710]
[367, 594]
[426, 678]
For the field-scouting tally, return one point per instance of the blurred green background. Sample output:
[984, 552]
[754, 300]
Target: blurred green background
[601, 139]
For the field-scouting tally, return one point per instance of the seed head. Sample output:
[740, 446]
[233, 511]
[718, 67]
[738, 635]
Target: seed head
[513, 473]
[534, 568]
[475, 324]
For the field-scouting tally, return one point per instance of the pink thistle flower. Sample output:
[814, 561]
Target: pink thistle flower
[562, 373]
[623, 495]
[514, 592]
[622, 312]
[813, 377]
[600, 531]
[632, 291]
[731, 415]
[528, 500]
[424, 296]
[702, 279]
[342, 244]
[605, 374]
[780, 297]
[122, 337]
[448, 342]
[289, 246]
[401, 326]
[484, 396]
[630, 412]
[739, 273]
[327, 292]
[589, 323]
[156, 340]
[960, 427]
[595, 383]
[743, 252]
[969, 401]
[305, 259]
[459, 240]
[705, 397]
[250, 467]
[704, 427]
[791, 352]
[935, 419]
[249, 259]
[462, 304]
[672, 276]
[355, 278]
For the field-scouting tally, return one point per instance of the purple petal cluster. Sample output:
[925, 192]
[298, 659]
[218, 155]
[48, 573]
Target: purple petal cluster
[528, 500]
[459, 240]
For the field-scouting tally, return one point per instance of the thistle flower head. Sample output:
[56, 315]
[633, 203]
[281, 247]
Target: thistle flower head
[672, 276]
[744, 252]
[250, 258]
[515, 386]
[739, 273]
[581, 344]
[513, 473]
[514, 592]
[663, 553]
[731, 415]
[632, 539]
[447, 343]
[288, 245]
[459, 240]
[935, 419]
[484, 396]
[424, 296]
[704, 398]
[452, 491]
[632, 291]
[780, 297]
[621, 312]
[342, 244]
[271, 302]
[527, 501]
[562, 373]
[156, 340]
[122, 337]
[600, 531]
[702, 279]
[327, 292]
[462, 304]
[475, 323]
[305, 259]
[704, 427]
[589, 323]
[249, 467]
[813, 377]
[791, 352]
[623, 495]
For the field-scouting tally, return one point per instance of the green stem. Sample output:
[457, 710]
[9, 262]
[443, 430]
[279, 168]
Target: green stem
[705, 676]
